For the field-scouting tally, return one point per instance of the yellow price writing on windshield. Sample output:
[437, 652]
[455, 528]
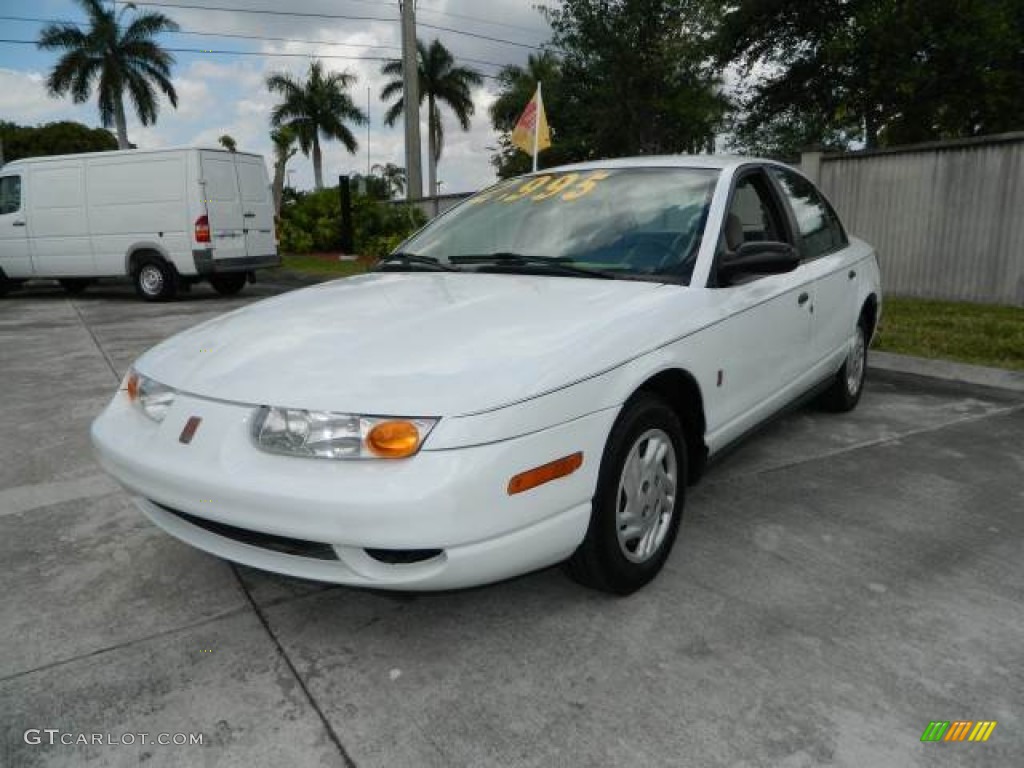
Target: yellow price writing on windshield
[571, 186]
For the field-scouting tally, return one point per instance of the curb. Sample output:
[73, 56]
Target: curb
[945, 370]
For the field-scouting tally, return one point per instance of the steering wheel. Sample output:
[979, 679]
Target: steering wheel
[653, 255]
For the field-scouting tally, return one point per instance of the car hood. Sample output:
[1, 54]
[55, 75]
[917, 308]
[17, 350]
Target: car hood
[413, 344]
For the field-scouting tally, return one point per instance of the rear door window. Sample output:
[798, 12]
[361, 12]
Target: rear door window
[221, 181]
[820, 230]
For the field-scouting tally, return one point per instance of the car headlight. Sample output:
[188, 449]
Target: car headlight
[152, 397]
[324, 435]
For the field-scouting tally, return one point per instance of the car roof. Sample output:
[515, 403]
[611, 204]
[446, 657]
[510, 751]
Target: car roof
[710, 162]
[117, 153]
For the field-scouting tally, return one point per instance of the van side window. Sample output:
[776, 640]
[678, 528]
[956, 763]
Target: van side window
[10, 194]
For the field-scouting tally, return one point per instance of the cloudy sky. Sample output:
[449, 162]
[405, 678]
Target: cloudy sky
[220, 94]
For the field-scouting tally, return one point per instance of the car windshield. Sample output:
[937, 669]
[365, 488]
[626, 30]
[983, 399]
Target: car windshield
[630, 222]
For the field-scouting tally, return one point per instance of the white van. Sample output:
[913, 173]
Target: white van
[166, 218]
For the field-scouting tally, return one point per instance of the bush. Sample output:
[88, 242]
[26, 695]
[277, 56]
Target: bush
[312, 223]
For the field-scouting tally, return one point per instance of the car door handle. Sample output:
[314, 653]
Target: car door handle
[851, 274]
[249, 215]
[803, 299]
[17, 223]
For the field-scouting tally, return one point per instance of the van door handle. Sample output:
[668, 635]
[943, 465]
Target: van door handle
[17, 223]
[249, 215]
[802, 299]
[852, 274]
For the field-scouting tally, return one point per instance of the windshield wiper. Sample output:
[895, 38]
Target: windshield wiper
[413, 260]
[561, 264]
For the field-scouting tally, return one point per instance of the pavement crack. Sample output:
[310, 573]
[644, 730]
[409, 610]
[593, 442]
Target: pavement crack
[102, 351]
[331, 733]
[712, 481]
[125, 644]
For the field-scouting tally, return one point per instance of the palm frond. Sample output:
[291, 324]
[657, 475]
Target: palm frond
[62, 36]
[393, 88]
[143, 97]
[394, 112]
[146, 26]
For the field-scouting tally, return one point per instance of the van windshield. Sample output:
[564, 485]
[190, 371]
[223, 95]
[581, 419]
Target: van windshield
[623, 222]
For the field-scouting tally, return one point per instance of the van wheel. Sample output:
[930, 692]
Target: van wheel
[155, 279]
[639, 501]
[229, 283]
[74, 285]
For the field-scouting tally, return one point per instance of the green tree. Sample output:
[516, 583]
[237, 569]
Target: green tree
[877, 72]
[319, 105]
[283, 140]
[393, 176]
[60, 138]
[441, 82]
[228, 142]
[639, 76]
[117, 58]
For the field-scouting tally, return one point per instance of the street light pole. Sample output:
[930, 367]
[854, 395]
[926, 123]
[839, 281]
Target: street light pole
[411, 101]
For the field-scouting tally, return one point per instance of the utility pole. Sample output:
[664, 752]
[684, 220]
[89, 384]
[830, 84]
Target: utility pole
[367, 131]
[411, 101]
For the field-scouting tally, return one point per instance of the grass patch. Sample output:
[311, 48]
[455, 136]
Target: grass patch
[980, 334]
[325, 266]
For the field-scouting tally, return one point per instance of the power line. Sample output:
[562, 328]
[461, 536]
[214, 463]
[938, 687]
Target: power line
[266, 12]
[282, 54]
[467, 17]
[267, 38]
[306, 14]
[479, 20]
[221, 34]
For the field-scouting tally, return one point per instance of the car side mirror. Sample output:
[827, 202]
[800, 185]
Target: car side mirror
[758, 258]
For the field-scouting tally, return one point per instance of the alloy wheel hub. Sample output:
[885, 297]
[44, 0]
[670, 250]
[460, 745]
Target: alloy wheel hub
[646, 496]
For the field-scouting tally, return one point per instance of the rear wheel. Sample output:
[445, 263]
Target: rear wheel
[155, 279]
[846, 389]
[639, 500]
[228, 283]
[74, 285]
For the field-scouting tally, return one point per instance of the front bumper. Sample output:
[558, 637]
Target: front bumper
[452, 500]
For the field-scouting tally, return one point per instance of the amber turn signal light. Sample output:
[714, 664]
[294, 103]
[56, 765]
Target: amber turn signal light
[545, 473]
[393, 439]
[132, 386]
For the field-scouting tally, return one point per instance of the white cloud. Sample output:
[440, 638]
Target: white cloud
[24, 99]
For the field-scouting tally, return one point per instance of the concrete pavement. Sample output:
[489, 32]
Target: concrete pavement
[839, 582]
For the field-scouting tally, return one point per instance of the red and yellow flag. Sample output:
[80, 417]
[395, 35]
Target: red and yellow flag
[531, 133]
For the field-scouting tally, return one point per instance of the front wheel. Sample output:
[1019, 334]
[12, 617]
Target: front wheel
[845, 391]
[639, 501]
[229, 283]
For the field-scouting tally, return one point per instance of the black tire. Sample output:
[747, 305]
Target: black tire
[848, 385]
[228, 283]
[74, 285]
[155, 279]
[601, 561]
[6, 284]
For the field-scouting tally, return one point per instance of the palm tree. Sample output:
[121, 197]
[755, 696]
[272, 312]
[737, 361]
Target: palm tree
[116, 58]
[516, 86]
[393, 176]
[441, 82]
[283, 140]
[320, 105]
[228, 142]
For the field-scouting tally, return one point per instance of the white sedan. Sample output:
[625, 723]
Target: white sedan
[533, 378]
